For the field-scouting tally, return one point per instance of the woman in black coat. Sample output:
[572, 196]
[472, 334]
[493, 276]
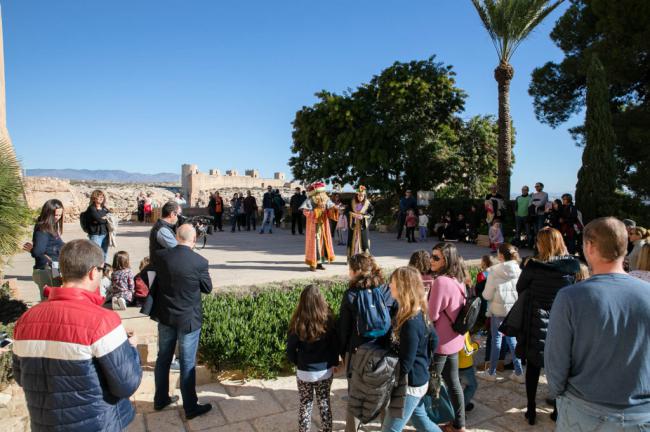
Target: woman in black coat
[543, 276]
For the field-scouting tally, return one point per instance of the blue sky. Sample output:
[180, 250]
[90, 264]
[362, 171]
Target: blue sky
[148, 85]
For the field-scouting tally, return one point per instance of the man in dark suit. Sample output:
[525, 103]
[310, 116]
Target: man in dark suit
[182, 275]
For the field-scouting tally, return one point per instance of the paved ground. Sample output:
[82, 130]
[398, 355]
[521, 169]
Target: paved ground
[260, 406]
[244, 258]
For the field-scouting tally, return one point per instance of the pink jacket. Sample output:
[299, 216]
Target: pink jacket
[446, 295]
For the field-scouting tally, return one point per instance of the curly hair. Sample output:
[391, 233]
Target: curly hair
[421, 260]
[368, 273]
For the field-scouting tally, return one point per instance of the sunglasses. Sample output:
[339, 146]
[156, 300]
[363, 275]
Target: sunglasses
[436, 258]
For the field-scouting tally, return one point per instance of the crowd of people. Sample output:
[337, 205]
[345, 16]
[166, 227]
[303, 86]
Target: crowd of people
[550, 311]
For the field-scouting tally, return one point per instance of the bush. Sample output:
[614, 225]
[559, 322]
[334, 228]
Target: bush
[6, 360]
[249, 332]
[10, 311]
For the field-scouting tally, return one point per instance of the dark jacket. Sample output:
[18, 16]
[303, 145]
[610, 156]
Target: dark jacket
[154, 245]
[181, 276]
[97, 225]
[45, 243]
[541, 281]
[89, 371]
[406, 204]
[296, 201]
[250, 204]
[212, 206]
[267, 200]
[348, 337]
[414, 351]
[313, 356]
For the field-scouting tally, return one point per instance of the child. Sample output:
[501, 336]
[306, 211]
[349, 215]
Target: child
[141, 282]
[123, 285]
[421, 261]
[411, 223]
[423, 223]
[105, 286]
[342, 226]
[467, 371]
[312, 347]
[496, 235]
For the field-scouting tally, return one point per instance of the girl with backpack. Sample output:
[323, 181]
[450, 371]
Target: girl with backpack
[365, 274]
[446, 299]
[311, 346]
[501, 293]
[410, 334]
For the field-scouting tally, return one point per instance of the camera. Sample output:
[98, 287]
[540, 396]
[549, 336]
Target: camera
[202, 225]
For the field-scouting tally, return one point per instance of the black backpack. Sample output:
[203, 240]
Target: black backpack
[467, 316]
[83, 221]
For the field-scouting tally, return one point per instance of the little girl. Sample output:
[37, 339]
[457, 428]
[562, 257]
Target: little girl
[141, 281]
[411, 224]
[423, 223]
[312, 347]
[105, 286]
[123, 285]
[342, 226]
[496, 235]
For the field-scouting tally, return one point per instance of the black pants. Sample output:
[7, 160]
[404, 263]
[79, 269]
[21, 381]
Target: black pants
[532, 379]
[410, 234]
[447, 365]
[278, 218]
[296, 219]
[251, 219]
[217, 221]
[401, 220]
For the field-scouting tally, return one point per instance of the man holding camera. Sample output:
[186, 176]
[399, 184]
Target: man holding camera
[72, 357]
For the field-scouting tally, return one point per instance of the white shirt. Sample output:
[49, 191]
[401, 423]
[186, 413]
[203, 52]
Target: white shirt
[423, 221]
[314, 376]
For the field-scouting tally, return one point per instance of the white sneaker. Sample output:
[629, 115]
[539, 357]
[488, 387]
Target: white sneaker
[485, 375]
[118, 303]
[517, 378]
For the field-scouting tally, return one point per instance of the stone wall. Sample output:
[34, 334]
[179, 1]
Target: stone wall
[75, 196]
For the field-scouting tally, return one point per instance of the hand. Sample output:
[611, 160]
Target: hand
[28, 246]
[132, 338]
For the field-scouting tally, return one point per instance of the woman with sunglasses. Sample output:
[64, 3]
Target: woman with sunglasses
[446, 299]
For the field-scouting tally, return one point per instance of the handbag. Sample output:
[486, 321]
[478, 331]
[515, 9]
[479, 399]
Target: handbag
[439, 410]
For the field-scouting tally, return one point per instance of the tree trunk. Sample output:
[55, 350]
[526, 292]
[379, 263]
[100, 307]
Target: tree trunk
[503, 75]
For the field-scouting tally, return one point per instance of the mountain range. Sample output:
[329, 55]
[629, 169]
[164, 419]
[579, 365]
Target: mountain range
[116, 176]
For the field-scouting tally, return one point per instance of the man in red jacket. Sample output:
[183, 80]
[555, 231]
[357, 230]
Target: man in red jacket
[72, 357]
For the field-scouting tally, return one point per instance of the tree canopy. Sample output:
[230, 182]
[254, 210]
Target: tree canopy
[400, 131]
[619, 33]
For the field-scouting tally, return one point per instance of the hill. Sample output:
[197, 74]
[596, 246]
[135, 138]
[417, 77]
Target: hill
[114, 176]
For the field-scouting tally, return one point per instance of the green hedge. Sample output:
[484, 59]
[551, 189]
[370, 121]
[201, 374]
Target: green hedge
[249, 332]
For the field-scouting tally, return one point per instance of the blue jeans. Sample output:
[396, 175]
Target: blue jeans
[188, 343]
[423, 233]
[414, 411]
[101, 241]
[468, 377]
[269, 215]
[495, 349]
[576, 415]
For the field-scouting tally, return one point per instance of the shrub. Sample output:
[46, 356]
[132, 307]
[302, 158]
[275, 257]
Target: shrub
[249, 332]
[10, 311]
[6, 359]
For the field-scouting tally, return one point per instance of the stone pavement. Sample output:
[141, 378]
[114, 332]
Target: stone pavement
[272, 406]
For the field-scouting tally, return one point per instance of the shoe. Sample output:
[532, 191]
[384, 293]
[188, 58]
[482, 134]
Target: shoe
[550, 401]
[509, 366]
[517, 378]
[261, 232]
[118, 303]
[199, 410]
[170, 401]
[320, 267]
[270, 231]
[487, 376]
[312, 269]
[175, 365]
[469, 407]
[530, 415]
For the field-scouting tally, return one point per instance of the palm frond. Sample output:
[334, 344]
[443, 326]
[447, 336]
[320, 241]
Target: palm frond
[509, 22]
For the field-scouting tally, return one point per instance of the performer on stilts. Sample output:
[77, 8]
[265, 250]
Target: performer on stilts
[318, 210]
[360, 214]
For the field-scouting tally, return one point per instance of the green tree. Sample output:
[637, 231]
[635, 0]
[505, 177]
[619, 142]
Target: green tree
[619, 33]
[509, 22]
[14, 213]
[474, 165]
[391, 134]
[596, 186]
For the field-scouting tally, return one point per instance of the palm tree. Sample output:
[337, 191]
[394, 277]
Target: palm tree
[509, 22]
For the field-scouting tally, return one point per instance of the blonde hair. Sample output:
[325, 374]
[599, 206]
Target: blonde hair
[643, 260]
[583, 274]
[409, 289]
[550, 244]
[145, 262]
[641, 232]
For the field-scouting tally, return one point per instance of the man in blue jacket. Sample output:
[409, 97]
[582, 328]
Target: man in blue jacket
[597, 355]
[72, 357]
